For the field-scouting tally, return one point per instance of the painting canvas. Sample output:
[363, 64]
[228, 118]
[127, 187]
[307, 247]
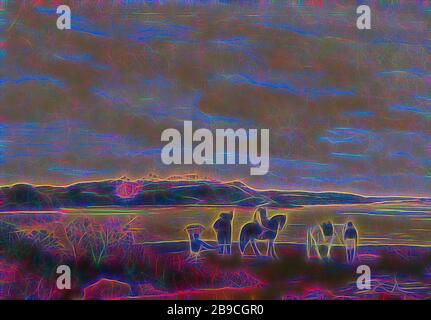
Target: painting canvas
[215, 150]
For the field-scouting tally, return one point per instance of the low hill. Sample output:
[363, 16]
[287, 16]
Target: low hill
[166, 193]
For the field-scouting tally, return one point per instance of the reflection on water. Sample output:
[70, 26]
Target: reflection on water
[401, 223]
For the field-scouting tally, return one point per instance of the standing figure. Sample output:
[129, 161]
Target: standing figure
[261, 218]
[223, 228]
[350, 241]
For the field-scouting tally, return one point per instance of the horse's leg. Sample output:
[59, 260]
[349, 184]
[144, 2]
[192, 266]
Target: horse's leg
[245, 247]
[268, 250]
[255, 249]
[328, 253]
[244, 239]
[316, 246]
[272, 245]
[273, 249]
[308, 244]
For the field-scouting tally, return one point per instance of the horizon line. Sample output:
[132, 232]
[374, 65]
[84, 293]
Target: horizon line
[166, 179]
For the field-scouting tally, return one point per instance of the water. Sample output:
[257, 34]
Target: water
[396, 223]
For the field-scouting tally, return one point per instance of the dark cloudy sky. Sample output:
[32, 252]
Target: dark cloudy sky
[348, 110]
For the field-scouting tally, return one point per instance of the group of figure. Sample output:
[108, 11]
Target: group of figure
[326, 233]
[262, 228]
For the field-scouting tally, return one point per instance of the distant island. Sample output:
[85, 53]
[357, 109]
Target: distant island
[167, 192]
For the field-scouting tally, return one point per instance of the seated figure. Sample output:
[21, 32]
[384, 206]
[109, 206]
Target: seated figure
[196, 244]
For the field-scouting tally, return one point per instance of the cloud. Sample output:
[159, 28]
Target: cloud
[346, 110]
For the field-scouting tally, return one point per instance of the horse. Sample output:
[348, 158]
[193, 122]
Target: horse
[253, 231]
[317, 236]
